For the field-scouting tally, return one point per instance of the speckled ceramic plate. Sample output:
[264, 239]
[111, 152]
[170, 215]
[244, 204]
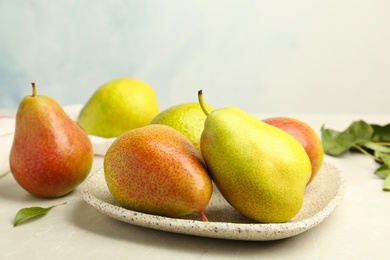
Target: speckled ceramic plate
[322, 196]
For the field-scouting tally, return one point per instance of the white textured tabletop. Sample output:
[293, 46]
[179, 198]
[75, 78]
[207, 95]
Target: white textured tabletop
[357, 229]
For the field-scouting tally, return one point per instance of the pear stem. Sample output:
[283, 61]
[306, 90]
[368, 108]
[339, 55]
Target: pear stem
[34, 89]
[203, 216]
[201, 102]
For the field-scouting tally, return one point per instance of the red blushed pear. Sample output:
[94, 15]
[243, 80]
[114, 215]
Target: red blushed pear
[306, 136]
[50, 155]
[156, 170]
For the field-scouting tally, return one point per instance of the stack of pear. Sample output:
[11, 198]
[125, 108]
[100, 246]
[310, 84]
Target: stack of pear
[156, 170]
[50, 154]
[259, 169]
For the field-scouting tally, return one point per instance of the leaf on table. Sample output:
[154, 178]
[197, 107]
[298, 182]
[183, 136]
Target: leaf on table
[370, 139]
[384, 170]
[386, 184]
[381, 133]
[27, 213]
[336, 143]
[378, 147]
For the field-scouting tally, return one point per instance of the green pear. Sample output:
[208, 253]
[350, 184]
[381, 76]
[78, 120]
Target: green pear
[118, 106]
[156, 170]
[50, 154]
[260, 170]
[187, 118]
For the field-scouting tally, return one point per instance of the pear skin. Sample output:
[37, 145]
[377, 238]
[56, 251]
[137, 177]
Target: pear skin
[156, 170]
[187, 118]
[50, 153]
[259, 169]
[118, 106]
[306, 136]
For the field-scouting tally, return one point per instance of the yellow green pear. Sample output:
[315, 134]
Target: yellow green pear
[260, 170]
[187, 118]
[156, 170]
[118, 106]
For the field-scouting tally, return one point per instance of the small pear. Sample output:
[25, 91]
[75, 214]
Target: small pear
[118, 106]
[50, 154]
[187, 118]
[155, 169]
[260, 170]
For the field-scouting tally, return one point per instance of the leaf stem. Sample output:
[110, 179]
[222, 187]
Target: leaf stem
[382, 143]
[63, 203]
[366, 153]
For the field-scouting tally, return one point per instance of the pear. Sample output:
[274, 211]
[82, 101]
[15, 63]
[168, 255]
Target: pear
[156, 170]
[118, 106]
[259, 169]
[306, 136]
[187, 118]
[50, 154]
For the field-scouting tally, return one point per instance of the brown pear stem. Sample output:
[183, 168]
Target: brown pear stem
[34, 89]
[203, 216]
[201, 102]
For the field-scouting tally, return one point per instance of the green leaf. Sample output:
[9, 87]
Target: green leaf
[386, 159]
[386, 184]
[336, 143]
[381, 133]
[370, 139]
[27, 213]
[384, 170]
[376, 147]
[378, 154]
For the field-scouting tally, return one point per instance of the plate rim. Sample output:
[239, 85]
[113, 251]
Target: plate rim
[233, 231]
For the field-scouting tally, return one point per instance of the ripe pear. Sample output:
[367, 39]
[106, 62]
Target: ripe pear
[306, 136]
[156, 170]
[50, 154]
[187, 118]
[259, 169]
[118, 106]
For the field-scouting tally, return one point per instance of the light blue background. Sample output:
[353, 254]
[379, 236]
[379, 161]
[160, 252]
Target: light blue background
[278, 57]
